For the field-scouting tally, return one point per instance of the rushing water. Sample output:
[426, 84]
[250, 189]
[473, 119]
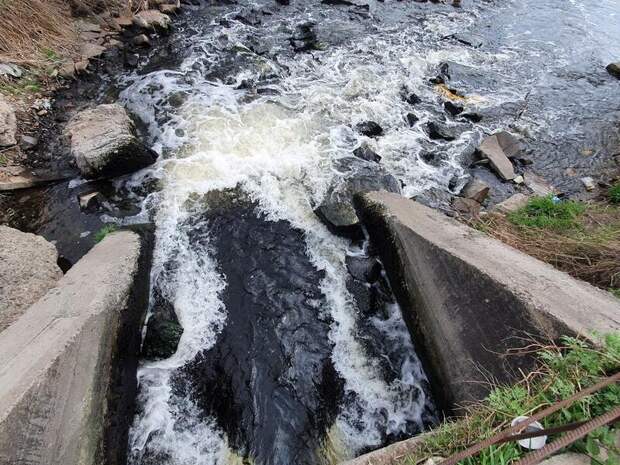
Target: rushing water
[289, 353]
[285, 358]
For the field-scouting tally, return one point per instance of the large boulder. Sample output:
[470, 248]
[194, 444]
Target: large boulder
[8, 124]
[337, 210]
[152, 19]
[614, 69]
[104, 143]
[28, 270]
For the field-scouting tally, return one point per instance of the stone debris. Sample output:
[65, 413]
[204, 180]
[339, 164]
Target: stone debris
[8, 124]
[90, 201]
[512, 203]
[498, 149]
[588, 183]
[518, 179]
[614, 69]
[537, 184]
[468, 207]
[11, 70]
[28, 142]
[476, 189]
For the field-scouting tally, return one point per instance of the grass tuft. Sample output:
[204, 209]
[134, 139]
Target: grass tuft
[548, 213]
[614, 193]
[103, 232]
[564, 370]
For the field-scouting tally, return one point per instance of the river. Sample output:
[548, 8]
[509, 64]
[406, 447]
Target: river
[289, 353]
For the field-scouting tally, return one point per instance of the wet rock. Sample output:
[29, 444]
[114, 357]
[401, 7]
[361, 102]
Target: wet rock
[305, 37]
[8, 123]
[141, 40]
[337, 211]
[435, 198]
[452, 108]
[476, 189]
[152, 19]
[28, 271]
[512, 203]
[28, 142]
[369, 129]
[163, 331]
[467, 207]
[614, 69]
[362, 268]
[90, 201]
[104, 143]
[498, 149]
[518, 179]
[364, 152]
[412, 98]
[441, 131]
[467, 38]
[412, 119]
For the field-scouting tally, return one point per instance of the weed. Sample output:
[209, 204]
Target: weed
[614, 193]
[25, 85]
[564, 370]
[103, 232]
[546, 212]
[615, 291]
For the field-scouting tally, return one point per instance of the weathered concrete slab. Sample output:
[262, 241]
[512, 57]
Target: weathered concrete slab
[467, 297]
[59, 361]
[28, 270]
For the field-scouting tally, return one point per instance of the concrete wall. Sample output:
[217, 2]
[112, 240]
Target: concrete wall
[60, 363]
[468, 298]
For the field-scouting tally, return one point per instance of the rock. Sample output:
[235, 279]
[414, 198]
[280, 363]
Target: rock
[412, 119]
[90, 201]
[441, 131]
[452, 108]
[152, 19]
[124, 21]
[8, 123]
[434, 460]
[369, 129]
[588, 183]
[465, 38]
[567, 458]
[28, 270]
[141, 40]
[365, 269]
[28, 142]
[169, 9]
[305, 37]
[67, 70]
[476, 189]
[498, 148]
[518, 179]
[90, 50]
[468, 207]
[614, 69]
[412, 99]
[11, 70]
[366, 153]
[104, 143]
[23, 179]
[512, 203]
[537, 184]
[163, 331]
[337, 211]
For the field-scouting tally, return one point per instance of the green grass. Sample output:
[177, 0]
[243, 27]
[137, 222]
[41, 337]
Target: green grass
[543, 212]
[563, 372]
[103, 232]
[615, 291]
[25, 85]
[614, 193]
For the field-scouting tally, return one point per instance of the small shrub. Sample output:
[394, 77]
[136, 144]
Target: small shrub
[103, 232]
[614, 193]
[547, 213]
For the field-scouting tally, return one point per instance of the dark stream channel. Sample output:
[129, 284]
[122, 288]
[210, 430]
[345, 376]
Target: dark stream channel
[292, 349]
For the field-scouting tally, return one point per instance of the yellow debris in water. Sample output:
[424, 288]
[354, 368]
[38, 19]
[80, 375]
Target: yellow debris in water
[450, 94]
[333, 450]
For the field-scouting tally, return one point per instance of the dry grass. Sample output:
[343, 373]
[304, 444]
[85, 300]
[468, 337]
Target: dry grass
[34, 30]
[590, 251]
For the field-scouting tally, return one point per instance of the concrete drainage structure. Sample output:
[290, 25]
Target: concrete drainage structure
[468, 299]
[67, 365]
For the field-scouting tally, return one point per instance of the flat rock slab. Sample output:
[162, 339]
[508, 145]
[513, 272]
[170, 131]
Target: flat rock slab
[498, 149]
[28, 270]
[56, 360]
[468, 297]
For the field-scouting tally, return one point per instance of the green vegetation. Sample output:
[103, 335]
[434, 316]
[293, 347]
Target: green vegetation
[614, 193]
[545, 212]
[30, 84]
[103, 232]
[563, 372]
